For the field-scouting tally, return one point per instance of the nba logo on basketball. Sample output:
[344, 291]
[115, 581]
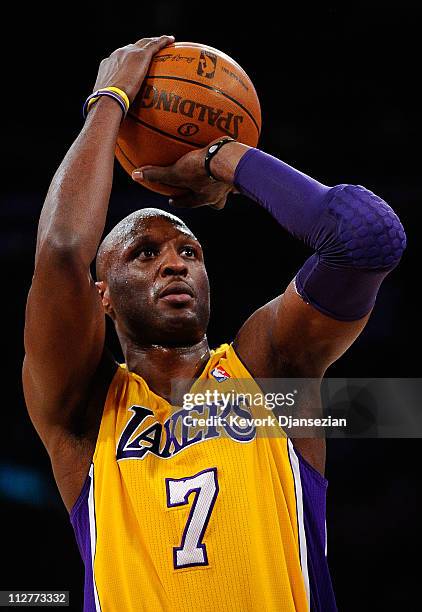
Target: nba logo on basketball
[207, 64]
[220, 373]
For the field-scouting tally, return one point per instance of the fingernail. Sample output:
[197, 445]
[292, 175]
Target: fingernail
[138, 175]
[170, 201]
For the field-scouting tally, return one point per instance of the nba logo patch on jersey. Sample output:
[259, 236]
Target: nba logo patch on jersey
[220, 373]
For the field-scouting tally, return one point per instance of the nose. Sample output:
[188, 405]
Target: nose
[173, 265]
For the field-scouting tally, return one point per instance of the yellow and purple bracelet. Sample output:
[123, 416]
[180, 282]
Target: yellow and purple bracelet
[113, 92]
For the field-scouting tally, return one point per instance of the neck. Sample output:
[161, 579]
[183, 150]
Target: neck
[158, 365]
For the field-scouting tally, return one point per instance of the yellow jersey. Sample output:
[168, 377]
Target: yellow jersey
[178, 517]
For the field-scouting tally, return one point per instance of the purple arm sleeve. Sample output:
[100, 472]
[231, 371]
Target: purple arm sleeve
[357, 237]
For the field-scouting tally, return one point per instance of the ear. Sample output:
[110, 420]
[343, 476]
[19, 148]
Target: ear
[104, 292]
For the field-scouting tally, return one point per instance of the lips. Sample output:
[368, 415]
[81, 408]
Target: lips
[177, 292]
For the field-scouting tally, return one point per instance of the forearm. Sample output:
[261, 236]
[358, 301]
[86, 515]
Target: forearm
[293, 198]
[75, 209]
[357, 237]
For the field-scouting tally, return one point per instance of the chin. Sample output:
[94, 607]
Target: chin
[181, 326]
[179, 319]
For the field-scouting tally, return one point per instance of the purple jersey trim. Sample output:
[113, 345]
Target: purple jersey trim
[79, 518]
[314, 488]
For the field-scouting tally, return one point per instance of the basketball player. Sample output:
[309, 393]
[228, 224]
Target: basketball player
[167, 517]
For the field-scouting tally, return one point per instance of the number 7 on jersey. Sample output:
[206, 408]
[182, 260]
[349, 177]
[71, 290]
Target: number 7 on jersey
[192, 551]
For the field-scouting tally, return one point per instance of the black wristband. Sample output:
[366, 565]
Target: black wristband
[212, 150]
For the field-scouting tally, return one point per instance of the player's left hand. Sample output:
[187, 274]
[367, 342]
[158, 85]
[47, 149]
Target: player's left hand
[188, 173]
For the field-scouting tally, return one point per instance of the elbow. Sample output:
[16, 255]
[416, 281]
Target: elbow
[369, 233]
[60, 250]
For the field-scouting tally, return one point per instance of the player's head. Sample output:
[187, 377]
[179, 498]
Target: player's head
[153, 280]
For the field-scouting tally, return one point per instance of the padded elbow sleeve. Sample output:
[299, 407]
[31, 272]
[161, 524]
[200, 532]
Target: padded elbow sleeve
[358, 240]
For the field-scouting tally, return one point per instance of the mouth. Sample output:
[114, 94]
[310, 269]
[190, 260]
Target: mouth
[177, 293]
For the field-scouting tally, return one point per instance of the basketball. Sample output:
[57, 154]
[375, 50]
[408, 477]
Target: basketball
[192, 95]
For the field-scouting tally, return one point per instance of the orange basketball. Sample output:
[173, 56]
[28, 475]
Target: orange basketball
[191, 95]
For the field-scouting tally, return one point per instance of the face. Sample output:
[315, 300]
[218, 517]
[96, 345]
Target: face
[157, 288]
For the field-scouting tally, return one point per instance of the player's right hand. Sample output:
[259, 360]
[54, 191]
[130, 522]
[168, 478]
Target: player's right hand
[126, 67]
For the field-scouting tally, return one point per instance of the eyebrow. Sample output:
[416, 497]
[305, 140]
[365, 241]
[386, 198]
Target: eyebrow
[140, 238]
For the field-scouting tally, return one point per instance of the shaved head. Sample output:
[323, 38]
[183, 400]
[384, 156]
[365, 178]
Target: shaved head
[154, 283]
[126, 230]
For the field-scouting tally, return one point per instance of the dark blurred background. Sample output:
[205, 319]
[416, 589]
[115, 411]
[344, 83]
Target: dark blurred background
[338, 88]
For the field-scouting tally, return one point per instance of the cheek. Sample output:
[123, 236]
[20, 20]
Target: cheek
[202, 284]
[128, 286]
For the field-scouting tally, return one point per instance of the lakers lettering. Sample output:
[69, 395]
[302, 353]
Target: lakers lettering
[143, 434]
[226, 122]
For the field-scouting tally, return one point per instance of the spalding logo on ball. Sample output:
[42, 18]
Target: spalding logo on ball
[192, 95]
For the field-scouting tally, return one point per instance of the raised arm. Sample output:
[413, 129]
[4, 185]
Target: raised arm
[357, 239]
[64, 329]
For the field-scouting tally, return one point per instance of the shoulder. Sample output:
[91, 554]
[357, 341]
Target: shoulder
[255, 348]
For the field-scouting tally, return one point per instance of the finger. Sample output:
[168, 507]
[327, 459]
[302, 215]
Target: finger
[142, 41]
[155, 43]
[156, 174]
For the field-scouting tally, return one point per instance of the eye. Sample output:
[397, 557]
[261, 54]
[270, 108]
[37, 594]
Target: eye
[189, 251]
[147, 253]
